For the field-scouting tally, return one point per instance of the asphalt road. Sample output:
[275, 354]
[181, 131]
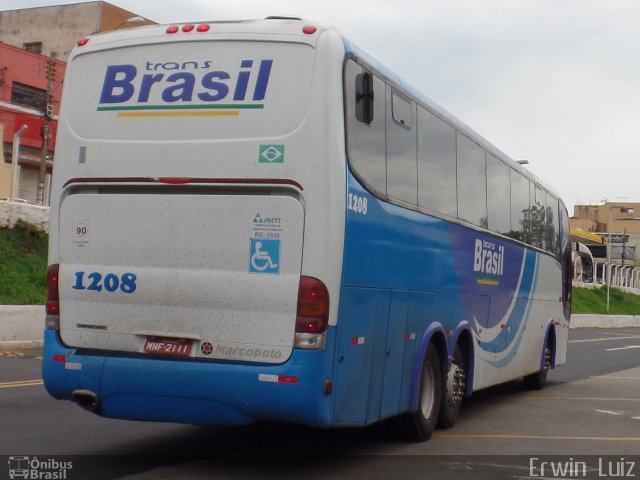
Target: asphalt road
[591, 406]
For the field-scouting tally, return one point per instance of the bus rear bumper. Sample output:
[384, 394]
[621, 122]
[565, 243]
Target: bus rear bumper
[196, 392]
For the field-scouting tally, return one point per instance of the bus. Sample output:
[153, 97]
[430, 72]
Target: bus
[255, 220]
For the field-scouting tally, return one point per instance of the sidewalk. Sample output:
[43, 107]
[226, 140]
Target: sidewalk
[21, 326]
[604, 321]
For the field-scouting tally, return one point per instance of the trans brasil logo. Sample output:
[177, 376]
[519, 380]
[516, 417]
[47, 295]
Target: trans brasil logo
[488, 262]
[192, 88]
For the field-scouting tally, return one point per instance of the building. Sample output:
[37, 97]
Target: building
[28, 39]
[54, 31]
[620, 216]
[611, 232]
[23, 93]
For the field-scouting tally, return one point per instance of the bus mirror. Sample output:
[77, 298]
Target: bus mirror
[364, 97]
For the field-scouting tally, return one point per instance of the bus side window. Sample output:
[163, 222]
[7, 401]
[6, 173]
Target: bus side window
[364, 97]
[552, 226]
[498, 195]
[402, 159]
[436, 164]
[520, 207]
[472, 181]
[366, 148]
[536, 220]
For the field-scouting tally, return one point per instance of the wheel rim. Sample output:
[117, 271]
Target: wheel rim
[427, 392]
[547, 360]
[456, 383]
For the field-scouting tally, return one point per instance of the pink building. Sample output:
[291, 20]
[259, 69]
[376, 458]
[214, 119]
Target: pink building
[23, 88]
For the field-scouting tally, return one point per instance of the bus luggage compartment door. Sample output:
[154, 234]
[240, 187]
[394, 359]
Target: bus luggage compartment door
[213, 276]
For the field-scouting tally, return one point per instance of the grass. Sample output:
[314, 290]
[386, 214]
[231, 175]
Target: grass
[595, 301]
[23, 265]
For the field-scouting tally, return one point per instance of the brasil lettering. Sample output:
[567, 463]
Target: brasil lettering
[488, 262]
[184, 89]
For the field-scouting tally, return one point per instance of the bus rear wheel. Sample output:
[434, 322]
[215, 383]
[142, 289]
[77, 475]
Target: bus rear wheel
[419, 425]
[453, 390]
[537, 381]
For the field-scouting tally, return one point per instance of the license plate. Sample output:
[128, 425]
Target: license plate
[168, 346]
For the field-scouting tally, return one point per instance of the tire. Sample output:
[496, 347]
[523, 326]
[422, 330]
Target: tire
[538, 380]
[419, 425]
[453, 388]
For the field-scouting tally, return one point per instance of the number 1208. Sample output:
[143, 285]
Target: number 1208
[126, 283]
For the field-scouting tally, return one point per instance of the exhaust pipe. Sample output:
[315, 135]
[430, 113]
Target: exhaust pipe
[87, 400]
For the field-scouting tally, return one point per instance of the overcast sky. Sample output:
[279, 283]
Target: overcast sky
[556, 82]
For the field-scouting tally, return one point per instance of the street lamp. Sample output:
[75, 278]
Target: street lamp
[623, 209]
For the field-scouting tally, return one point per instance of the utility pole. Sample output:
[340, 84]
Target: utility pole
[624, 243]
[47, 114]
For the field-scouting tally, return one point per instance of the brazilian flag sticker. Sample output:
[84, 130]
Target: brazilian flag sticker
[271, 154]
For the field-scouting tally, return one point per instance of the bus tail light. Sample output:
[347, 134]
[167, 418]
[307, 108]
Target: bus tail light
[53, 299]
[312, 316]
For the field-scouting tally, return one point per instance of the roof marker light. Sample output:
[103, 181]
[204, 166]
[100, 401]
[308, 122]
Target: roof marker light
[83, 42]
[188, 28]
[309, 29]
[172, 29]
[203, 27]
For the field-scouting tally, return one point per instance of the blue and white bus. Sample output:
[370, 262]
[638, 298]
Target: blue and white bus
[256, 221]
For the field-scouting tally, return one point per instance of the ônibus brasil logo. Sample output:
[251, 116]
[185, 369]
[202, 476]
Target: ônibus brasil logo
[184, 89]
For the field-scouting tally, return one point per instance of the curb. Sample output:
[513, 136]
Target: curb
[20, 345]
[21, 326]
[604, 321]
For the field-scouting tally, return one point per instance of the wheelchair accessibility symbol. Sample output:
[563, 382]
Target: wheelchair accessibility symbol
[264, 256]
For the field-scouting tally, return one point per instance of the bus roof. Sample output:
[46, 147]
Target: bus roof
[276, 29]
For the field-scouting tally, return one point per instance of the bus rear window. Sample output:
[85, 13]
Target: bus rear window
[204, 90]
